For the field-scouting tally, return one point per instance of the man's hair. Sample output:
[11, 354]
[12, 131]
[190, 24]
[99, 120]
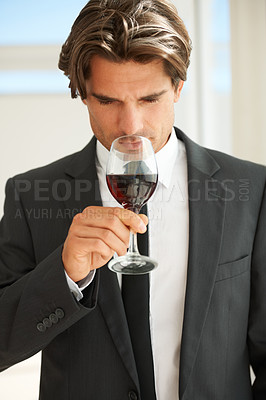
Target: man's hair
[126, 30]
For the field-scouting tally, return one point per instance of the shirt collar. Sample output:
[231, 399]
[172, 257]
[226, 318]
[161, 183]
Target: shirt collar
[101, 155]
[165, 158]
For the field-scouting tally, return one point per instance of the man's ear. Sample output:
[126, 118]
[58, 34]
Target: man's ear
[178, 91]
[84, 101]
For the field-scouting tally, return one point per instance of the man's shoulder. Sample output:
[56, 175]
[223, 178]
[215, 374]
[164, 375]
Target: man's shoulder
[232, 164]
[58, 168]
[55, 168]
[210, 160]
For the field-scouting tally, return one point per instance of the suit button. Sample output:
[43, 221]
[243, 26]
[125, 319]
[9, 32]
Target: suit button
[59, 313]
[47, 323]
[41, 327]
[132, 395]
[53, 318]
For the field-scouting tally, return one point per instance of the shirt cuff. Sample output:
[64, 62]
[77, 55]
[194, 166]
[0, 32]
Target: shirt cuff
[77, 287]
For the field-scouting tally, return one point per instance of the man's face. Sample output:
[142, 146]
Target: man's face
[130, 98]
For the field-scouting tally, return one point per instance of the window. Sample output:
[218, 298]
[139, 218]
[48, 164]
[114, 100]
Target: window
[31, 34]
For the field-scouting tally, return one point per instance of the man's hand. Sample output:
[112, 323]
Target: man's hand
[95, 235]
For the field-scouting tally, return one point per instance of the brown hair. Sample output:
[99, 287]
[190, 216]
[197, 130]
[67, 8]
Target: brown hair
[138, 30]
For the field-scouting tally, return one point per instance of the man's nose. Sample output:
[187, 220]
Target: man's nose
[130, 120]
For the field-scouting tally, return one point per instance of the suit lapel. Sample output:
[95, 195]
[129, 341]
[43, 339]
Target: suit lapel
[206, 218]
[85, 192]
[83, 180]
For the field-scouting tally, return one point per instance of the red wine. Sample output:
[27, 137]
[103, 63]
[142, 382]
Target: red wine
[132, 191]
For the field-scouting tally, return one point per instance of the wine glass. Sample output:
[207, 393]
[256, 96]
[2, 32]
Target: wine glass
[132, 177]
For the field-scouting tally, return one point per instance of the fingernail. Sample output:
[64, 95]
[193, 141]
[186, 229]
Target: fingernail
[142, 227]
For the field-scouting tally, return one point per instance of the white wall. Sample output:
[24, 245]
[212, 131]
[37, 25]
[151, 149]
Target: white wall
[248, 32]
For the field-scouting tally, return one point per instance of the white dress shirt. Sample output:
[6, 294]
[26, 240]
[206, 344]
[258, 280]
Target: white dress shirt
[168, 243]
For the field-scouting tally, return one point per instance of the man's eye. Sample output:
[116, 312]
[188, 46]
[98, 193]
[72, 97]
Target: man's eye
[151, 100]
[105, 102]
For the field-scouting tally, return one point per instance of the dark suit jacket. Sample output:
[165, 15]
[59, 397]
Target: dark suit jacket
[86, 346]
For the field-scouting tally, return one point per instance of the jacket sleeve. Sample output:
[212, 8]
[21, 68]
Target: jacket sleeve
[257, 318]
[36, 304]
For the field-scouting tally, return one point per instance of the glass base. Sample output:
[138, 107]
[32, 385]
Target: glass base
[132, 264]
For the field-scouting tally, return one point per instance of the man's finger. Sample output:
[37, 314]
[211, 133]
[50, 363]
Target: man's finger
[132, 220]
[105, 217]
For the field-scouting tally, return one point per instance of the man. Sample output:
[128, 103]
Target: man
[206, 324]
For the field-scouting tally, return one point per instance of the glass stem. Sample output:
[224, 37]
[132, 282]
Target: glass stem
[133, 243]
